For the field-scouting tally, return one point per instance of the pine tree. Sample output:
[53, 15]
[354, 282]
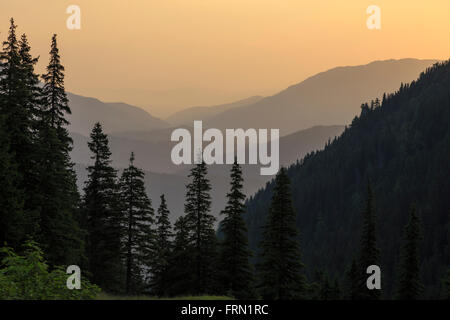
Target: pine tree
[60, 236]
[236, 273]
[138, 218]
[180, 278]
[280, 269]
[102, 216]
[163, 246]
[200, 224]
[410, 286]
[369, 252]
[54, 94]
[18, 87]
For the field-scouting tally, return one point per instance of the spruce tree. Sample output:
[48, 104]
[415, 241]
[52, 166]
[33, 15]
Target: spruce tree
[18, 89]
[280, 269]
[102, 217]
[60, 234]
[410, 286]
[54, 94]
[163, 246]
[236, 273]
[180, 278]
[137, 215]
[369, 252]
[200, 223]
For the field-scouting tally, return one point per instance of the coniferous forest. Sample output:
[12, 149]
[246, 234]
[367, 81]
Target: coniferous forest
[379, 194]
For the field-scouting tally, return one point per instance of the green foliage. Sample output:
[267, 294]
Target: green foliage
[27, 277]
[280, 268]
[40, 187]
[137, 220]
[235, 270]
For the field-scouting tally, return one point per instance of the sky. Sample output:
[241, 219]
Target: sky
[165, 55]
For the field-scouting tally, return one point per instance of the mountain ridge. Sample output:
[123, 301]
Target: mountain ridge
[329, 97]
[114, 116]
[402, 146]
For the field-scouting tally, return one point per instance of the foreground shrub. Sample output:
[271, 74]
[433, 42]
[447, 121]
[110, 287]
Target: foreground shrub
[27, 277]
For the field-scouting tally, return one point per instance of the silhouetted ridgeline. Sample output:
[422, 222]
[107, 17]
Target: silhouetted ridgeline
[403, 146]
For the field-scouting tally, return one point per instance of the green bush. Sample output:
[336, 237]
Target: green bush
[28, 277]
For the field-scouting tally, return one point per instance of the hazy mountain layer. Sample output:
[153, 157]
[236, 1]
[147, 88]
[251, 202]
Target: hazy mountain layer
[187, 116]
[328, 98]
[113, 116]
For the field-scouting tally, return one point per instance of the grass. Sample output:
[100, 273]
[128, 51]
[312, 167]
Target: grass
[107, 296]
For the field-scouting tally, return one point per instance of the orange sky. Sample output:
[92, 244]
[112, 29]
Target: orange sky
[169, 54]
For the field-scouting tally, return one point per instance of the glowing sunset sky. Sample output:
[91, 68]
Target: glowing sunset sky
[177, 53]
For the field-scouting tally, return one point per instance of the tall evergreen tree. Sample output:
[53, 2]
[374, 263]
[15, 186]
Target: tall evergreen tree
[102, 216]
[138, 218]
[369, 252]
[54, 94]
[180, 277]
[163, 245]
[410, 286]
[60, 235]
[280, 269]
[18, 88]
[200, 223]
[236, 273]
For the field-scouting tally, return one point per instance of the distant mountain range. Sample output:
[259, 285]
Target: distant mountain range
[328, 98]
[307, 114]
[113, 116]
[187, 116]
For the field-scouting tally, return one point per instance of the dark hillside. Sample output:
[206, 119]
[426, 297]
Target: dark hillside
[403, 146]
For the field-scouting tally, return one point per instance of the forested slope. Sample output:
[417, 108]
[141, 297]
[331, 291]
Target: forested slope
[402, 145]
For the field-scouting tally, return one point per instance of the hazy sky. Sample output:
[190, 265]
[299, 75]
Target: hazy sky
[175, 53]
